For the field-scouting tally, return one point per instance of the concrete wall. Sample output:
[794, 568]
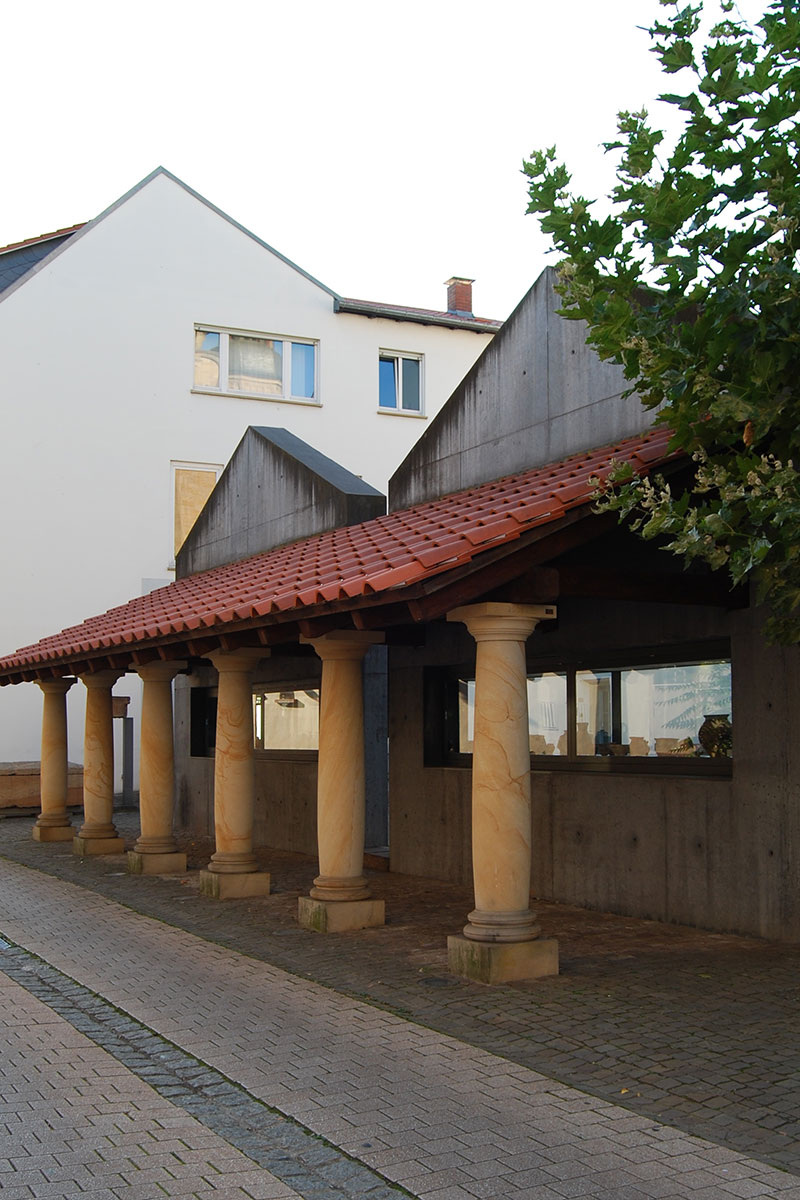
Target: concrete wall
[96, 378]
[537, 394]
[713, 852]
[275, 489]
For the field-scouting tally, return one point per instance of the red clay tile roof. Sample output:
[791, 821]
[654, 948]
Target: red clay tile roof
[380, 556]
[42, 237]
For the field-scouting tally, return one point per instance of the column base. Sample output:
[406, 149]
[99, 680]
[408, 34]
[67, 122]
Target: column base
[339, 888]
[339, 916]
[84, 846]
[234, 887]
[140, 863]
[233, 862]
[502, 962]
[53, 833]
[517, 925]
[153, 845]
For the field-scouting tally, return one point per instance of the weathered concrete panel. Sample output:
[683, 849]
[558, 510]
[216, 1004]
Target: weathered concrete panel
[429, 809]
[608, 844]
[194, 777]
[766, 832]
[286, 805]
[537, 394]
[275, 489]
[376, 747]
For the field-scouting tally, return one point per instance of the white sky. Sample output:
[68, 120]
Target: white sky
[377, 144]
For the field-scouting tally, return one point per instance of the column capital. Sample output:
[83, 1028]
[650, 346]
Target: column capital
[160, 672]
[56, 686]
[344, 643]
[238, 660]
[100, 679]
[502, 622]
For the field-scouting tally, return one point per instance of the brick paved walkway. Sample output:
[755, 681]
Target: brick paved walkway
[74, 1122]
[447, 1119]
[78, 1122]
[698, 1030]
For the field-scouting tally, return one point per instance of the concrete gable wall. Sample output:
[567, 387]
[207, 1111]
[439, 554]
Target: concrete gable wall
[537, 394]
[275, 489]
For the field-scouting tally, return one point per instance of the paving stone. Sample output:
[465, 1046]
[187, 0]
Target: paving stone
[284, 1041]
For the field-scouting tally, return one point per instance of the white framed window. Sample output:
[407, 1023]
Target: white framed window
[192, 484]
[400, 382]
[240, 363]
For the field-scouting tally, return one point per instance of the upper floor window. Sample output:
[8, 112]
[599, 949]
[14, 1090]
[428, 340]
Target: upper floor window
[400, 382]
[253, 364]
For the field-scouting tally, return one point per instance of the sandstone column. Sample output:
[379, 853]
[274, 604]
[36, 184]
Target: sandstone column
[98, 835]
[156, 852]
[233, 870]
[501, 939]
[340, 898]
[53, 823]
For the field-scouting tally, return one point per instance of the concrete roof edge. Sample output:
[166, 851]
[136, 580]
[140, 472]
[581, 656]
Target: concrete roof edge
[323, 466]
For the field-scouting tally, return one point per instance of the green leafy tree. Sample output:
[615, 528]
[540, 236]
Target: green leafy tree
[688, 277]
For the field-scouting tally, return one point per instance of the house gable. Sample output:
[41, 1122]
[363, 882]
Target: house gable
[29, 257]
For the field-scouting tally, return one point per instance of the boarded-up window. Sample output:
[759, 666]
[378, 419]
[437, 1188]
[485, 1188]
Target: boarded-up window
[193, 486]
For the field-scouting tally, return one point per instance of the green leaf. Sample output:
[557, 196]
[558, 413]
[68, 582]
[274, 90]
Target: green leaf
[688, 276]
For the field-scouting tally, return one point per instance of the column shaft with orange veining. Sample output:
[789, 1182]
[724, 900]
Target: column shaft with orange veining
[97, 834]
[234, 779]
[98, 765]
[340, 783]
[501, 789]
[53, 823]
[157, 759]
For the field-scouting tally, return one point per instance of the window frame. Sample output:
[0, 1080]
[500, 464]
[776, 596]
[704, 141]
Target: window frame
[283, 753]
[398, 357]
[182, 464]
[287, 340]
[441, 716]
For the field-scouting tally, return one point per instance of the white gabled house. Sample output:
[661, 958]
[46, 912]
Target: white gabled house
[136, 349]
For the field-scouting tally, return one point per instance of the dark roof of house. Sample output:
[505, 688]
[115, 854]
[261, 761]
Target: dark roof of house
[421, 316]
[379, 561]
[20, 257]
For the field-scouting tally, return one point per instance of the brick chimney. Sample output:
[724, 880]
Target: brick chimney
[459, 296]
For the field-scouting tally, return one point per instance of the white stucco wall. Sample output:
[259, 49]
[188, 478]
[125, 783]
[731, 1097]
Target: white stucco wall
[96, 378]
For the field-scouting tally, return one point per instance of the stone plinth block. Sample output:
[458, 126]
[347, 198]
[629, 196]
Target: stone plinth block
[84, 846]
[234, 887]
[156, 864]
[502, 962]
[20, 785]
[53, 833]
[339, 916]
